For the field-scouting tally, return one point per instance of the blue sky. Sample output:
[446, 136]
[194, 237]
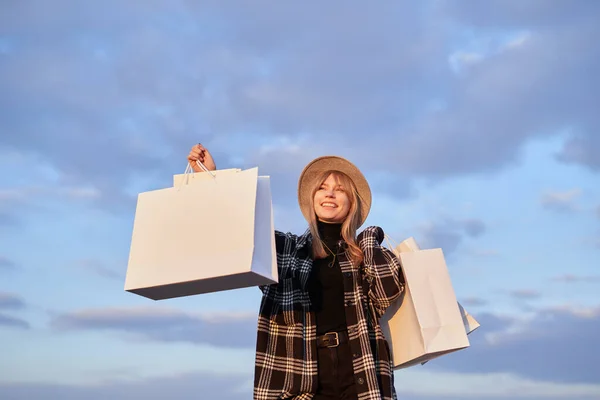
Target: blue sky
[476, 124]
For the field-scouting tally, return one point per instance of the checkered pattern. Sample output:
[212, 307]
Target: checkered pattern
[286, 352]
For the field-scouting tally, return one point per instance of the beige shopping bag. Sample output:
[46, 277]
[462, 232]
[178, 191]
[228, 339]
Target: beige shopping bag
[426, 322]
[213, 235]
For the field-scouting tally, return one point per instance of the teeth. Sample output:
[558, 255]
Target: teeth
[328, 205]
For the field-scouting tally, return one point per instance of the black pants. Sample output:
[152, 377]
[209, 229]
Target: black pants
[336, 374]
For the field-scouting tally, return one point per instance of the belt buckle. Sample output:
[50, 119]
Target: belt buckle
[337, 339]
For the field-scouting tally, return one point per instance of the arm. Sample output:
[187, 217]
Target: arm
[201, 154]
[382, 269]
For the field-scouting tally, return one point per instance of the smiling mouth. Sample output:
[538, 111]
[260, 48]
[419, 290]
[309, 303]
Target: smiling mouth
[328, 205]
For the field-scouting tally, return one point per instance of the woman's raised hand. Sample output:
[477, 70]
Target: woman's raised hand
[200, 153]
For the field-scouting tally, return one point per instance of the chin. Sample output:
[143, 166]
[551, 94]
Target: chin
[331, 219]
[331, 216]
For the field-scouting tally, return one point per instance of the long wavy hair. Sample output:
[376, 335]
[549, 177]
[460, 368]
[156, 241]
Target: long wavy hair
[350, 224]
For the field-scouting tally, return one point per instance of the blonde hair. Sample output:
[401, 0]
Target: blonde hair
[350, 224]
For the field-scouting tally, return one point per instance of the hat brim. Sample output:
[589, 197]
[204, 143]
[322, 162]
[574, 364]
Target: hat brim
[316, 168]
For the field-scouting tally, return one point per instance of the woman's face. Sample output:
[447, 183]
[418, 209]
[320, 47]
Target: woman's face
[332, 205]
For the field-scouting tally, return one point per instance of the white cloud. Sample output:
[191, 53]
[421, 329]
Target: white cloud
[448, 233]
[589, 313]
[11, 301]
[19, 201]
[205, 385]
[98, 268]
[13, 194]
[28, 194]
[473, 302]
[504, 345]
[538, 346]
[160, 324]
[416, 383]
[561, 201]
[484, 385]
[7, 264]
[366, 93]
[570, 278]
[460, 60]
[480, 49]
[525, 294]
[517, 40]
[83, 192]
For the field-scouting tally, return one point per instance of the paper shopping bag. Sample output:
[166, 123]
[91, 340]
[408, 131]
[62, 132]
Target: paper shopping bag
[190, 178]
[426, 322]
[469, 322]
[213, 235]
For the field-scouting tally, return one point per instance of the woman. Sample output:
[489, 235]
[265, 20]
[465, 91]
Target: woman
[318, 329]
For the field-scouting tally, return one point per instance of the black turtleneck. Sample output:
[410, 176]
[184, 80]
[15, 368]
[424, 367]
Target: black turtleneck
[326, 287]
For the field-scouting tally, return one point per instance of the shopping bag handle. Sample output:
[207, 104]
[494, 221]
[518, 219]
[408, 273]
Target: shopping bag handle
[188, 171]
[188, 168]
[392, 244]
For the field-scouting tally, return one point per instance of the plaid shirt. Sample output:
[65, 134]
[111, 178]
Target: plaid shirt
[286, 350]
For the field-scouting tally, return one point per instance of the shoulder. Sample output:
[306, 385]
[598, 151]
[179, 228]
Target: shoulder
[286, 241]
[285, 235]
[371, 235]
[288, 236]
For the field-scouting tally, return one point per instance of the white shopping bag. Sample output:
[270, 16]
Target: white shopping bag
[469, 322]
[213, 235]
[426, 322]
[190, 178]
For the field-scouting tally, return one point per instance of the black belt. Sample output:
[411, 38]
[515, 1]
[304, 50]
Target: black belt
[332, 339]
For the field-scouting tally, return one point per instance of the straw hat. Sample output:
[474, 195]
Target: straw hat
[332, 163]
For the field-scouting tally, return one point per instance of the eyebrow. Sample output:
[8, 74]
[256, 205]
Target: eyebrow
[337, 185]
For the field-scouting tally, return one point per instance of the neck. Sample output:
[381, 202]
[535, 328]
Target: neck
[330, 232]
